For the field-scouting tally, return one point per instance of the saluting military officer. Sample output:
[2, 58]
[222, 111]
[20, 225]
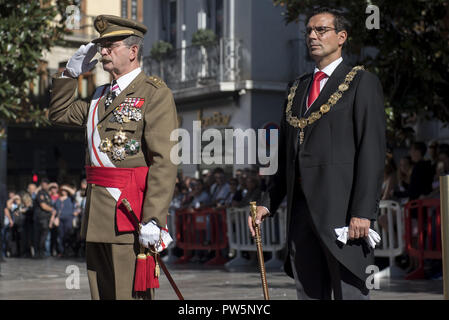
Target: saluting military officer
[128, 124]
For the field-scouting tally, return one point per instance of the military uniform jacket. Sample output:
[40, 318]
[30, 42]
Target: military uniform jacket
[340, 161]
[151, 131]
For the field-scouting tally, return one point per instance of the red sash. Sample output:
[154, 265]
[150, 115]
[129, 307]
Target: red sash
[132, 184]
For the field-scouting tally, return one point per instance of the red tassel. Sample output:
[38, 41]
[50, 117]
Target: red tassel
[141, 273]
[152, 280]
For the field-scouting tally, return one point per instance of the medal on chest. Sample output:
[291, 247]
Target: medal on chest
[129, 110]
[120, 146]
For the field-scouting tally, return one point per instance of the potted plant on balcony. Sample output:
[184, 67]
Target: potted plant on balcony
[204, 38]
[159, 52]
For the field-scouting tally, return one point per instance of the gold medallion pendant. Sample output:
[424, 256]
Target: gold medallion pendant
[302, 123]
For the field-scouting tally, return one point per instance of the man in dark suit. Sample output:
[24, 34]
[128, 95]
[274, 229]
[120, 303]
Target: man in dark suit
[331, 158]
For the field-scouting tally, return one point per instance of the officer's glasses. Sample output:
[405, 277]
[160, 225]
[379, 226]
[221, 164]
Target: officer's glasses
[108, 46]
[319, 30]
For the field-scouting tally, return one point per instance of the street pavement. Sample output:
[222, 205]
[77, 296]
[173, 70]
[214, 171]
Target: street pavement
[55, 279]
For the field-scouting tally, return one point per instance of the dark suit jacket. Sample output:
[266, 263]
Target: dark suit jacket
[341, 162]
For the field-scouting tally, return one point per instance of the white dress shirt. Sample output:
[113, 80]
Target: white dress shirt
[126, 79]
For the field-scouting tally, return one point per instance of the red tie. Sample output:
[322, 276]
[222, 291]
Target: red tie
[315, 90]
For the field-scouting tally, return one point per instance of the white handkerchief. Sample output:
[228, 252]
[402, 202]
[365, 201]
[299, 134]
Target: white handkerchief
[372, 239]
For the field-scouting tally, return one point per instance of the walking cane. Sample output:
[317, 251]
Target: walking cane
[263, 274]
[157, 256]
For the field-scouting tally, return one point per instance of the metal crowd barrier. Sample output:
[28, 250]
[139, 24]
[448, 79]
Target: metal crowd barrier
[273, 232]
[170, 257]
[392, 238]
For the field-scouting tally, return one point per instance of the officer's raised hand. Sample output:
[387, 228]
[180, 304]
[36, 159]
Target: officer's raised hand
[80, 62]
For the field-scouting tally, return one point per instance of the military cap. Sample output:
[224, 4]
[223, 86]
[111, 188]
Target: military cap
[113, 26]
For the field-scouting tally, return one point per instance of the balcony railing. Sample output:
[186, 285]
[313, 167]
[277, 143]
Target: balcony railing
[197, 66]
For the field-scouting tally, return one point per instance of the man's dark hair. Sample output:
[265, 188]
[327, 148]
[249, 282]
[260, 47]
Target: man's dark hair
[340, 21]
[420, 146]
[45, 180]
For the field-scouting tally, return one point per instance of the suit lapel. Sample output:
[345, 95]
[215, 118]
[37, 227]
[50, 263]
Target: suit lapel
[301, 95]
[299, 103]
[130, 89]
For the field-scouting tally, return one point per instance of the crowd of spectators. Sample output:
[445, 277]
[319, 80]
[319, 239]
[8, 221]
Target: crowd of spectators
[416, 177]
[43, 221]
[214, 190]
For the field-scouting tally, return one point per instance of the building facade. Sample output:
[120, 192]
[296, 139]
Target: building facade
[237, 81]
[234, 80]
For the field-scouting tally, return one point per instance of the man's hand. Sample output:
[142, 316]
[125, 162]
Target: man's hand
[150, 234]
[358, 228]
[80, 62]
[261, 213]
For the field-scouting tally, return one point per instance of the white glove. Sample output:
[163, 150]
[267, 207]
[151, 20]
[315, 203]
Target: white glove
[80, 63]
[372, 239]
[150, 234]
